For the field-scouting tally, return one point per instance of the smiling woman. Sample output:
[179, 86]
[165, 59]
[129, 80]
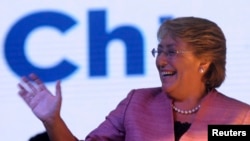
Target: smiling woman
[190, 58]
[205, 41]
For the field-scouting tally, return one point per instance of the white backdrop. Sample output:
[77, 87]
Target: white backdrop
[87, 100]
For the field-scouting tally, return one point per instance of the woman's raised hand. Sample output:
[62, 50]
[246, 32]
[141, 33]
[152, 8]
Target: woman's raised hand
[42, 102]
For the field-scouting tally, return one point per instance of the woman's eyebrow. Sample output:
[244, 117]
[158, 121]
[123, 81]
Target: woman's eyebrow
[167, 46]
[159, 46]
[170, 45]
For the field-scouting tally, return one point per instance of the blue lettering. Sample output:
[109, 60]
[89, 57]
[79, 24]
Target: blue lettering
[99, 38]
[165, 18]
[15, 45]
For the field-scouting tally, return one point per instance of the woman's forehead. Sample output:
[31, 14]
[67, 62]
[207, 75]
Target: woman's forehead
[168, 45]
[169, 42]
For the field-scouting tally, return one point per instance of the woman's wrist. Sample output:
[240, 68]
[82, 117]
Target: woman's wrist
[52, 121]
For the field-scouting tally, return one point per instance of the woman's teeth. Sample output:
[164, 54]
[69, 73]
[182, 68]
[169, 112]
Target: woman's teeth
[167, 73]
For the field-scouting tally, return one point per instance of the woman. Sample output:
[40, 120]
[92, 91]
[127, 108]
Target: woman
[190, 58]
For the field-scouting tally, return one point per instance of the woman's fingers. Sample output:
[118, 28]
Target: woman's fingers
[30, 87]
[32, 84]
[58, 89]
[27, 96]
[40, 85]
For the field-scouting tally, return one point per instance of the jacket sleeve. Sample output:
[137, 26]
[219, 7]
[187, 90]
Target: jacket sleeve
[112, 128]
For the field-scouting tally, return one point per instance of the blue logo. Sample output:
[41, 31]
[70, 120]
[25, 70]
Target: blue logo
[99, 37]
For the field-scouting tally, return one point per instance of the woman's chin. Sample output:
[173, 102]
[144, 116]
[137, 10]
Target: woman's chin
[165, 88]
[168, 89]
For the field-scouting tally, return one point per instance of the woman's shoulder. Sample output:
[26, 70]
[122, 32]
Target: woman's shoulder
[232, 110]
[227, 101]
[147, 95]
[146, 92]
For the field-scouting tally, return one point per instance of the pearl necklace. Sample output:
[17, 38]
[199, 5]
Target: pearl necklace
[186, 112]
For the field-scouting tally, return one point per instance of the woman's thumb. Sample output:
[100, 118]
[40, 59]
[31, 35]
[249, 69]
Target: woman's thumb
[58, 89]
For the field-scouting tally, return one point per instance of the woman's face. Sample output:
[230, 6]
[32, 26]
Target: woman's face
[179, 72]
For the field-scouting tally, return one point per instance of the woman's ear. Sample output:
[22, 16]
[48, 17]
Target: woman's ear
[204, 65]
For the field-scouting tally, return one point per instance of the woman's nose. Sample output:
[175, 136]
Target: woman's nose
[161, 60]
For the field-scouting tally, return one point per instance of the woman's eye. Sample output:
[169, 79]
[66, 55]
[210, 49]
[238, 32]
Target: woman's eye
[171, 52]
[159, 51]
